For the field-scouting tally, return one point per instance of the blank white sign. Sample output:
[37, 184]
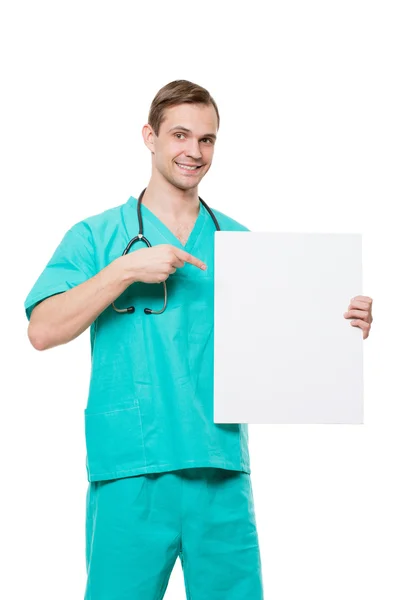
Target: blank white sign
[284, 352]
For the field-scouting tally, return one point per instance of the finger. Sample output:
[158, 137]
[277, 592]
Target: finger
[363, 298]
[173, 258]
[178, 263]
[361, 324]
[362, 314]
[360, 304]
[190, 259]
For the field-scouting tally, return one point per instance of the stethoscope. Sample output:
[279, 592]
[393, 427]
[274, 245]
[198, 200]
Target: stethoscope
[140, 238]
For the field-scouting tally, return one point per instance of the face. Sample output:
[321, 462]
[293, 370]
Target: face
[187, 136]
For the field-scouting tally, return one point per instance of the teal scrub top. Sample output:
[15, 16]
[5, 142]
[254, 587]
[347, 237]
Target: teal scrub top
[150, 402]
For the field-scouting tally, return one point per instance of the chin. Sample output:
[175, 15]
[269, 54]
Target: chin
[188, 186]
[184, 185]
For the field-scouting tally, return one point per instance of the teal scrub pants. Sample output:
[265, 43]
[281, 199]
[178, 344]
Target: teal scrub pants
[136, 527]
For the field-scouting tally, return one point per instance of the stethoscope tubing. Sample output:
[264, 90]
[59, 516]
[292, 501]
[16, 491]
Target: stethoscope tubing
[140, 237]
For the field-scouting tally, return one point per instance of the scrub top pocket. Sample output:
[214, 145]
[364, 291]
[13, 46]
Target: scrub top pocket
[114, 442]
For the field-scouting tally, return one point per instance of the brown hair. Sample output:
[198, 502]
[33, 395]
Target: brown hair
[174, 93]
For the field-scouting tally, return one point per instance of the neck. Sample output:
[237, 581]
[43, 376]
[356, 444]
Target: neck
[163, 198]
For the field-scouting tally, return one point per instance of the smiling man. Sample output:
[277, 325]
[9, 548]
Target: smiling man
[165, 481]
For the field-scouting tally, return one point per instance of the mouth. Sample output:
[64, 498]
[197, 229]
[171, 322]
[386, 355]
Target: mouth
[187, 168]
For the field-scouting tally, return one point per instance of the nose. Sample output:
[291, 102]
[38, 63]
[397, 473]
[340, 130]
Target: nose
[193, 149]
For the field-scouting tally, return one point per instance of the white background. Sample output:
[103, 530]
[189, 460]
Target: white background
[309, 141]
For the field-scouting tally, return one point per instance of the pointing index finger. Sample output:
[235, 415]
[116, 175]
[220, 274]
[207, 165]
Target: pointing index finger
[189, 258]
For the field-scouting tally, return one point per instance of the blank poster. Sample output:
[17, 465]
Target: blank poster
[284, 353]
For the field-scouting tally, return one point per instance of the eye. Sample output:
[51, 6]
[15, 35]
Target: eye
[179, 134]
[209, 139]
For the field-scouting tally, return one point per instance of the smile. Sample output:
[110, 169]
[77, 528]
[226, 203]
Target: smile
[188, 167]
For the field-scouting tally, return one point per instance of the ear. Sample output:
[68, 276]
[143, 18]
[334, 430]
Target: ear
[148, 136]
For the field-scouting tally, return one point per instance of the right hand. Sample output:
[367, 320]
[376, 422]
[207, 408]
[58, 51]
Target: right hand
[156, 264]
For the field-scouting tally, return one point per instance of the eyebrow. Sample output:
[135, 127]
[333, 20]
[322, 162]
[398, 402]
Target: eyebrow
[211, 135]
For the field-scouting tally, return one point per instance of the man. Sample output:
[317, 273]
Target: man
[164, 480]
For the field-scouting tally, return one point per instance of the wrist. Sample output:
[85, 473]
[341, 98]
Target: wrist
[125, 270]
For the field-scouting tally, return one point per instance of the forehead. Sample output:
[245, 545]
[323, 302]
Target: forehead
[199, 118]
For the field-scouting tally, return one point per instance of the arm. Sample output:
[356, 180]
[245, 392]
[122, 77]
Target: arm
[63, 317]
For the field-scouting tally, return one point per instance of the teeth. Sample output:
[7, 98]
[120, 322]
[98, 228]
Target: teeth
[187, 167]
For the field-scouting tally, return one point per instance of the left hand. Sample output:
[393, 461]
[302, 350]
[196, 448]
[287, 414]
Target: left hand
[361, 308]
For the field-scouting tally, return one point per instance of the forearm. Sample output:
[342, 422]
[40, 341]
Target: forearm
[63, 317]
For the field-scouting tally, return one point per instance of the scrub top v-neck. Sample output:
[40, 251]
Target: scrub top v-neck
[150, 402]
[164, 230]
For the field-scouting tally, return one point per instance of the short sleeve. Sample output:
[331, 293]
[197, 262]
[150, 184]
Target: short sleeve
[72, 263]
[236, 226]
